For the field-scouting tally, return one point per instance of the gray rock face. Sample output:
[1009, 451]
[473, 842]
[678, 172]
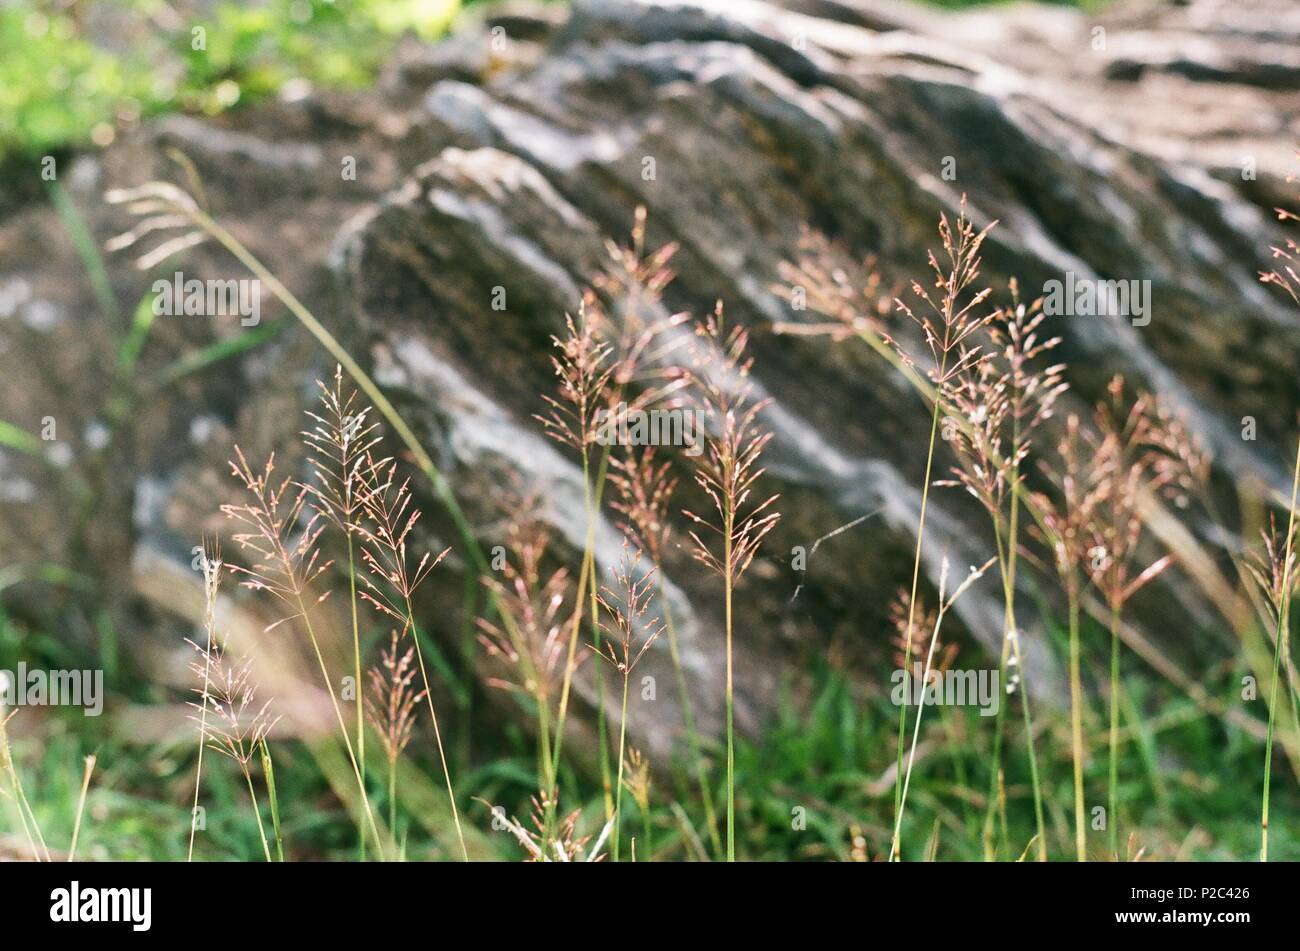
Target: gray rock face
[1153, 150]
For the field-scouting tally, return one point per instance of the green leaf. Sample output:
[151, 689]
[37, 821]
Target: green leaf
[19, 439]
[217, 352]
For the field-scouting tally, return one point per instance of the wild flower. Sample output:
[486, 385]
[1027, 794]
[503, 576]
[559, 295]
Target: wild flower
[583, 367]
[642, 343]
[1146, 449]
[728, 469]
[599, 362]
[340, 441]
[948, 322]
[528, 639]
[233, 726]
[1065, 527]
[997, 399]
[630, 631]
[286, 549]
[387, 517]
[1272, 569]
[853, 296]
[392, 701]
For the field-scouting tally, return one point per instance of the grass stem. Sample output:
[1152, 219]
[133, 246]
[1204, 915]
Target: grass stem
[1281, 647]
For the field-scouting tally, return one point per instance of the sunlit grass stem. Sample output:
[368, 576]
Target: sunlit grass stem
[1281, 648]
[911, 617]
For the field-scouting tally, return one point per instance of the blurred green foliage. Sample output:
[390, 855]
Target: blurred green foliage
[78, 71]
[74, 72]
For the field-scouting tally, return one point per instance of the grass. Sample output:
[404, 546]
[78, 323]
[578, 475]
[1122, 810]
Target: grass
[824, 751]
[829, 797]
[819, 783]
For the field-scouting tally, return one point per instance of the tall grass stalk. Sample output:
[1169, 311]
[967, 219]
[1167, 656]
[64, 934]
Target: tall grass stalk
[1076, 718]
[945, 604]
[1281, 646]
[343, 727]
[390, 518]
[583, 369]
[356, 674]
[727, 471]
[211, 579]
[645, 489]
[911, 615]
[945, 328]
[273, 798]
[27, 818]
[230, 722]
[1112, 771]
[1011, 651]
[627, 605]
[391, 705]
[730, 523]
[601, 724]
[618, 789]
[1001, 397]
[688, 722]
[87, 771]
[257, 813]
[437, 733]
